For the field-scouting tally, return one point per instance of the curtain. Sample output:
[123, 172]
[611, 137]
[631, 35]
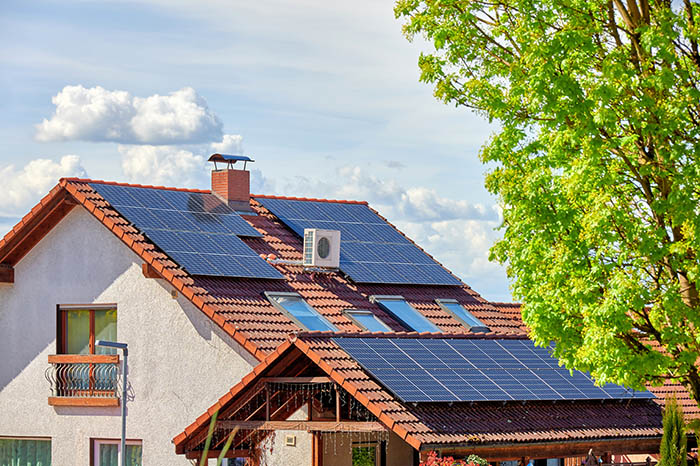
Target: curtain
[109, 454]
[21, 452]
[78, 332]
[105, 329]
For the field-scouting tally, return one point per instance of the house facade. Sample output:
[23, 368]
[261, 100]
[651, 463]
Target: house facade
[209, 290]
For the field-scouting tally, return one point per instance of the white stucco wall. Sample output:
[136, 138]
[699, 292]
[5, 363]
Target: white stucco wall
[179, 361]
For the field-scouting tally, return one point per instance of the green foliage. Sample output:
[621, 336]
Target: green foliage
[364, 456]
[478, 460]
[597, 105]
[674, 450]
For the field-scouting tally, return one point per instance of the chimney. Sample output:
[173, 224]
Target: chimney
[230, 184]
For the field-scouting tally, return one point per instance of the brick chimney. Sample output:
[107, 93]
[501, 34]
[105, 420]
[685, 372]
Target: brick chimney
[231, 185]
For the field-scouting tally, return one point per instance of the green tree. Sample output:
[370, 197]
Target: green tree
[595, 162]
[673, 450]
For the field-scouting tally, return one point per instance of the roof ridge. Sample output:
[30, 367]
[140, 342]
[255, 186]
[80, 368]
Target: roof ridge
[134, 185]
[422, 335]
[308, 199]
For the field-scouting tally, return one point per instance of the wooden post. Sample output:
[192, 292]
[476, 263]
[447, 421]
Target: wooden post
[316, 449]
[337, 405]
[267, 402]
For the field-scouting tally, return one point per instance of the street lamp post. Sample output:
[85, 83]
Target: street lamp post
[125, 351]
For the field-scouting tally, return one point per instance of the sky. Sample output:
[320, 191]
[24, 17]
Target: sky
[324, 95]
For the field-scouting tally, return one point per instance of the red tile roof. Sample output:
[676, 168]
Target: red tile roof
[461, 423]
[237, 305]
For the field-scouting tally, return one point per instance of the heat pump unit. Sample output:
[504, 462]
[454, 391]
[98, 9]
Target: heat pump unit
[321, 248]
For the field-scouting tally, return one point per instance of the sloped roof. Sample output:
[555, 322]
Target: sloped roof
[478, 423]
[237, 305]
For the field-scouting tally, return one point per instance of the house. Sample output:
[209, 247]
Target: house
[375, 360]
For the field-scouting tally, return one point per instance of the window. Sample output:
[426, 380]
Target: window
[296, 309]
[404, 313]
[451, 306]
[106, 452]
[367, 320]
[24, 451]
[80, 326]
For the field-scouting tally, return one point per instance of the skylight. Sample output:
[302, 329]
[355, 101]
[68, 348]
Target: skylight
[367, 320]
[404, 313]
[299, 311]
[453, 307]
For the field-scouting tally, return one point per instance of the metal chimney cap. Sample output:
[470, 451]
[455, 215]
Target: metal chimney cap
[229, 158]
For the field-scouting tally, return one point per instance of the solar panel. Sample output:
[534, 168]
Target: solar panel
[196, 230]
[371, 251]
[440, 370]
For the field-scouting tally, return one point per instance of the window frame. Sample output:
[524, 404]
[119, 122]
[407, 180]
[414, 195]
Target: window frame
[270, 295]
[95, 448]
[483, 328]
[61, 322]
[377, 299]
[349, 313]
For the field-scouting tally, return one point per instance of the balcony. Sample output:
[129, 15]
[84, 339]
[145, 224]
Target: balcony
[83, 379]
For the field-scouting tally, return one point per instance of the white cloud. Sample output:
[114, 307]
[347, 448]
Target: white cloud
[182, 166]
[163, 165]
[25, 186]
[97, 114]
[230, 144]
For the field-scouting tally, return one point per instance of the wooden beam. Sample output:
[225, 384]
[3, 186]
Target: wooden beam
[309, 426]
[83, 358]
[7, 273]
[75, 401]
[540, 450]
[149, 272]
[196, 454]
[296, 379]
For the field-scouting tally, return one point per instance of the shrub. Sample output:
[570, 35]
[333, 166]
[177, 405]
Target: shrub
[674, 441]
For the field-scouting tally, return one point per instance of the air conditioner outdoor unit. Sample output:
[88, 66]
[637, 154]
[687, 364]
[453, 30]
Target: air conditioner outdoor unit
[321, 248]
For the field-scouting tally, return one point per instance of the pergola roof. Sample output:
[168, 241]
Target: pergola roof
[478, 426]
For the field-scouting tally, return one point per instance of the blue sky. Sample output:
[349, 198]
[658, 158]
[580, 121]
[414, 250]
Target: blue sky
[324, 95]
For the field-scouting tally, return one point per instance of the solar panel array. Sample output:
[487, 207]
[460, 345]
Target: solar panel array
[196, 230]
[444, 370]
[371, 250]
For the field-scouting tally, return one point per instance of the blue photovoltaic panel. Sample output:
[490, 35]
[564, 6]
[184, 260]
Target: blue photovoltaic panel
[438, 370]
[371, 250]
[196, 230]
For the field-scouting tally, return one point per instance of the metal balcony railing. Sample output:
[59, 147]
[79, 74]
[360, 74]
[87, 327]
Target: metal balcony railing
[80, 376]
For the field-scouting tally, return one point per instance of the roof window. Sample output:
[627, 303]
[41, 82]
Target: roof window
[456, 310]
[299, 311]
[404, 313]
[365, 319]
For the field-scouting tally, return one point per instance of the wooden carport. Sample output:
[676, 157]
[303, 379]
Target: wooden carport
[264, 405]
